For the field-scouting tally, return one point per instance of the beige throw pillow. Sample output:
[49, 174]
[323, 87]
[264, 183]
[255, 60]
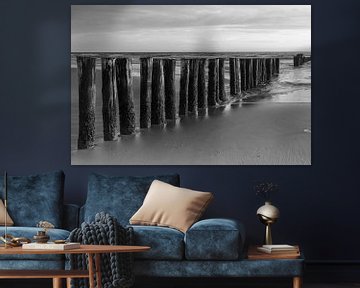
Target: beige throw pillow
[9, 221]
[170, 206]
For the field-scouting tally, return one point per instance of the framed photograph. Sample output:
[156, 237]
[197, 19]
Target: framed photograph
[191, 85]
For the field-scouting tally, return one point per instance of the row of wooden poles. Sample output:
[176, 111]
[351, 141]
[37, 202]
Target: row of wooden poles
[157, 90]
[300, 59]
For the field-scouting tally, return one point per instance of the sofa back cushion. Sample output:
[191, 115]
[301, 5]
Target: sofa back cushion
[120, 196]
[170, 206]
[35, 198]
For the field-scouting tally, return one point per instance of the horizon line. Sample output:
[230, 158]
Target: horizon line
[115, 52]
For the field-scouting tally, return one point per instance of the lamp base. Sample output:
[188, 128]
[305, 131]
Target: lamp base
[268, 237]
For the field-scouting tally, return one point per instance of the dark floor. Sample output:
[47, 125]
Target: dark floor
[242, 284]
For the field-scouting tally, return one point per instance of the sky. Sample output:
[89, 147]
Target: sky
[190, 28]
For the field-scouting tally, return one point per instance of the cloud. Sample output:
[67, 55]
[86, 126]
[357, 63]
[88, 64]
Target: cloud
[121, 28]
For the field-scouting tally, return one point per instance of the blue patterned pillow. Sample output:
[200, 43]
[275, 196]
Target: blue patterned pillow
[119, 196]
[35, 198]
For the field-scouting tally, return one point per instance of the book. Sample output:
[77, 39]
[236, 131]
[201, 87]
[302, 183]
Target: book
[255, 254]
[278, 249]
[51, 246]
[264, 250]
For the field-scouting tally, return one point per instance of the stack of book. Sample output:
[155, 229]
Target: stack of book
[274, 252]
[278, 249]
[51, 246]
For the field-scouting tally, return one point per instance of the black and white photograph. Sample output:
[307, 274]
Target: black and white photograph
[191, 85]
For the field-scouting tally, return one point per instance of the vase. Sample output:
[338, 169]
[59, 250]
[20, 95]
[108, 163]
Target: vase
[41, 237]
[268, 214]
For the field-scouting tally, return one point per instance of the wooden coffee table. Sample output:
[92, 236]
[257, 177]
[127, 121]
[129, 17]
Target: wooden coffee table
[57, 275]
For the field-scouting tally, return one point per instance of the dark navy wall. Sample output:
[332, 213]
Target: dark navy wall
[318, 203]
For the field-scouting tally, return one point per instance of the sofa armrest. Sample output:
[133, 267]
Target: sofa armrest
[71, 216]
[215, 239]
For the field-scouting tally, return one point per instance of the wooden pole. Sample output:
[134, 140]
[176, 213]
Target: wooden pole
[169, 78]
[273, 66]
[125, 96]
[235, 77]
[238, 75]
[193, 86]
[255, 72]
[157, 94]
[268, 69]
[243, 75]
[217, 81]
[212, 86]
[221, 79]
[264, 70]
[87, 99]
[184, 86]
[249, 73]
[261, 70]
[298, 59]
[109, 98]
[202, 97]
[145, 92]
[232, 75]
[277, 65]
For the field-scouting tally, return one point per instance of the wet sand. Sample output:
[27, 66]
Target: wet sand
[238, 134]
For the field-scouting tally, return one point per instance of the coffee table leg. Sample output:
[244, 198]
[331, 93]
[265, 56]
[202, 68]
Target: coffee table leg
[98, 270]
[68, 282]
[57, 283]
[91, 270]
[297, 282]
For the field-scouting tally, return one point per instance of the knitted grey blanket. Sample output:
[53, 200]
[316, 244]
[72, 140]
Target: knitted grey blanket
[116, 268]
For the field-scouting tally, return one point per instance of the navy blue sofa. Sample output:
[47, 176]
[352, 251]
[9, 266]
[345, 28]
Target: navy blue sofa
[210, 248]
[32, 199]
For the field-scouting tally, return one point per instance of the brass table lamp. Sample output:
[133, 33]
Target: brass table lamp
[268, 214]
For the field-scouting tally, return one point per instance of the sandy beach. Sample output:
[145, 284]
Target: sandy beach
[241, 133]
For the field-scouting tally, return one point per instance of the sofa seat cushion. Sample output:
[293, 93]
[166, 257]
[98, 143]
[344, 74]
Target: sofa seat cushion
[35, 198]
[166, 243]
[214, 239]
[119, 196]
[29, 232]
